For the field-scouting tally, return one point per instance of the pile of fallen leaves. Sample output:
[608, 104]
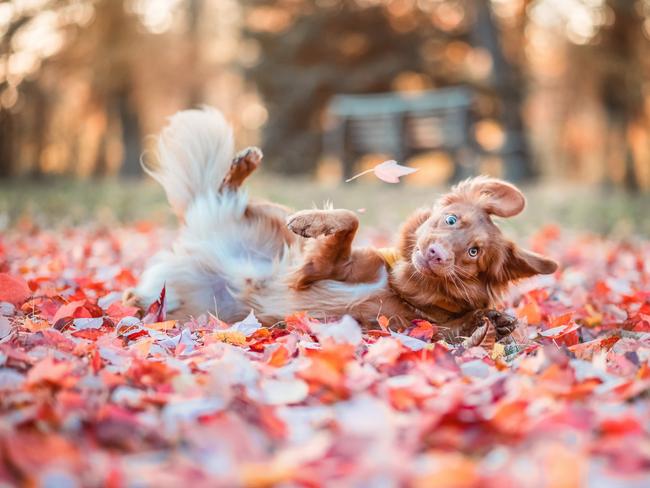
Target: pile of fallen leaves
[94, 393]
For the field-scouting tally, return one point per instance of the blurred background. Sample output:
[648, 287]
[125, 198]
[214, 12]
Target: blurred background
[552, 94]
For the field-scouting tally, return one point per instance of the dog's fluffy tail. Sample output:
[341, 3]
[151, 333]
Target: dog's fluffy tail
[194, 156]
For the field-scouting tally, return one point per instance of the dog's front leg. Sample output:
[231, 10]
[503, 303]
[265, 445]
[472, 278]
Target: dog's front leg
[464, 326]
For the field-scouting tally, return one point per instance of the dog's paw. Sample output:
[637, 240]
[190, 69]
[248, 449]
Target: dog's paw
[242, 165]
[315, 223]
[504, 324]
[486, 326]
[248, 160]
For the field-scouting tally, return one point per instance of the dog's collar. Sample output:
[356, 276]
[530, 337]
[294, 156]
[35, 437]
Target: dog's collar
[391, 255]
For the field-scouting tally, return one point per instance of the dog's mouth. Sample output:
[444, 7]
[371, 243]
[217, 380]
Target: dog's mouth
[429, 266]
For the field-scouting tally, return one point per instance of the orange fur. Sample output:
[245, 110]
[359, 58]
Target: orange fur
[445, 293]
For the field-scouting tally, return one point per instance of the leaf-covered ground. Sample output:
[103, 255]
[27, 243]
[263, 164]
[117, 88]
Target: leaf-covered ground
[93, 393]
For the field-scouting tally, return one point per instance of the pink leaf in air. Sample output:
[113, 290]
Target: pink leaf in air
[388, 171]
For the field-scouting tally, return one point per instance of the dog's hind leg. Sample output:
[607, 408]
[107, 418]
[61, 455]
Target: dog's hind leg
[243, 164]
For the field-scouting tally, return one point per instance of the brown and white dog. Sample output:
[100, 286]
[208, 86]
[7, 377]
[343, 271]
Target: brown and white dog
[450, 266]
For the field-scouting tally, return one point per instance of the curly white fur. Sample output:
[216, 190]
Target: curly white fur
[221, 261]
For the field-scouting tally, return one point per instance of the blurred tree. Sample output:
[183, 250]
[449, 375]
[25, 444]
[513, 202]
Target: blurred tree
[10, 124]
[508, 85]
[194, 11]
[108, 46]
[620, 57]
[614, 56]
[77, 75]
[311, 51]
[82, 80]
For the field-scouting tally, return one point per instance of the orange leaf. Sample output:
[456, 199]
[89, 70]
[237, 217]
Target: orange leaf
[423, 330]
[280, 357]
[166, 325]
[383, 322]
[33, 326]
[531, 312]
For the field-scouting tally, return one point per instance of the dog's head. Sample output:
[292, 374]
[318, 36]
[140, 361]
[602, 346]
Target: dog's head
[460, 241]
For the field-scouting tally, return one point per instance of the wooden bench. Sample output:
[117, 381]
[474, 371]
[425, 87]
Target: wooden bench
[402, 125]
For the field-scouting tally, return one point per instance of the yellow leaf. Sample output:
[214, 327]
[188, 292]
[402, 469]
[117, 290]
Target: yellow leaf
[166, 325]
[32, 326]
[230, 336]
[594, 318]
[498, 351]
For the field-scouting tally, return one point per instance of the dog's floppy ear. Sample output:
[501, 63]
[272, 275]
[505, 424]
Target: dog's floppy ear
[495, 196]
[520, 263]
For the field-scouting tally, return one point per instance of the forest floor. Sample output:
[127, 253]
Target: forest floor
[94, 393]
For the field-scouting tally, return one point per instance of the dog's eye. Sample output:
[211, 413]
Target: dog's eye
[473, 252]
[451, 219]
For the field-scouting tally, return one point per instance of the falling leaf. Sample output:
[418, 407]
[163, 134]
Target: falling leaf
[388, 171]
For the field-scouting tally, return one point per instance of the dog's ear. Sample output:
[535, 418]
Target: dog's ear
[497, 197]
[518, 263]
[494, 196]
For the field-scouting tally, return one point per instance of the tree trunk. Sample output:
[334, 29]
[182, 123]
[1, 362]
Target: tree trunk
[6, 143]
[507, 85]
[131, 135]
[195, 91]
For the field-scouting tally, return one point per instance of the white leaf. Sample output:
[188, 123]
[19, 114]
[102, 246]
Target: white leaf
[88, 323]
[555, 331]
[188, 410]
[10, 380]
[5, 327]
[284, 392]
[476, 368]
[7, 308]
[248, 326]
[346, 331]
[127, 322]
[106, 301]
[412, 343]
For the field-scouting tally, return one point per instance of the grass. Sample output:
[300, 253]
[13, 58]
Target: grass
[63, 202]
